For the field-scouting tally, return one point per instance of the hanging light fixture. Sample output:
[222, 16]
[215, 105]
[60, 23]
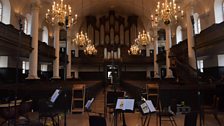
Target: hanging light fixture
[60, 14]
[143, 38]
[134, 49]
[90, 49]
[166, 12]
[81, 38]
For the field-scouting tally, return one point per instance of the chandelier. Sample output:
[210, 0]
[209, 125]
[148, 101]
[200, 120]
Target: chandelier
[60, 14]
[166, 12]
[134, 49]
[90, 49]
[81, 39]
[143, 38]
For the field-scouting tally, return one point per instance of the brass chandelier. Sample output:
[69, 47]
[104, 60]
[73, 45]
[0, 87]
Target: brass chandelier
[143, 38]
[166, 12]
[134, 49]
[81, 39]
[90, 49]
[60, 14]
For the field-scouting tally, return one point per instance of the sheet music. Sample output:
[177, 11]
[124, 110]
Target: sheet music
[88, 104]
[125, 104]
[55, 95]
[150, 105]
[144, 107]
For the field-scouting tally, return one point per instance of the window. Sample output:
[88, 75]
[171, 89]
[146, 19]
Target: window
[45, 35]
[200, 65]
[179, 34]
[28, 20]
[197, 23]
[25, 27]
[1, 11]
[218, 9]
[25, 66]
[6, 11]
[43, 67]
[3, 61]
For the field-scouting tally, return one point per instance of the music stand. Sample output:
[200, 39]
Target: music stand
[146, 108]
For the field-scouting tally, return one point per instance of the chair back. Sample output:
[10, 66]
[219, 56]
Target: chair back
[97, 121]
[190, 119]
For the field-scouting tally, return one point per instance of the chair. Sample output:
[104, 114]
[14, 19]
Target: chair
[211, 109]
[95, 120]
[190, 119]
[166, 113]
[112, 99]
[152, 91]
[46, 112]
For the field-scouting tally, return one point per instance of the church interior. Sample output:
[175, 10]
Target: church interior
[111, 62]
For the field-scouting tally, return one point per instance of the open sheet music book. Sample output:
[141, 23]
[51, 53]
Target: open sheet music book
[147, 107]
[55, 95]
[125, 104]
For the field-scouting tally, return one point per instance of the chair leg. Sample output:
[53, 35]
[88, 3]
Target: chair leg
[217, 119]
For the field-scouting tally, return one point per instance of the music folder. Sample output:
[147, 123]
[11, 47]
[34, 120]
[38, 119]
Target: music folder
[147, 107]
[125, 104]
[89, 103]
[55, 95]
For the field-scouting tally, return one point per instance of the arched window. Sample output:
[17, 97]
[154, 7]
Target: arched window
[25, 27]
[1, 11]
[27, 24]
[179, 34]
[197, 23]
[6, 11]
[45, 35]
[218, 9]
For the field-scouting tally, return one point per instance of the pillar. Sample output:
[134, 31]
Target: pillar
[155, 44]
[69, 54]
[147, 49]
[190, 37]
[33, 58]
[57, 49]
[168, 45]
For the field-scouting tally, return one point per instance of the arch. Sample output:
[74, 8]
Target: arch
[197, 23]
[6, 11]
[0, 11]
[179, 37]
[218, 10]
[45, 35]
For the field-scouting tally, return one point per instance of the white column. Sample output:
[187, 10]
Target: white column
[76, 50]
[33, 59]
[76, 72]
[57, 48]
[190, 37]
[147, 50]
[168, 45]
[156, 67]
[69, 54]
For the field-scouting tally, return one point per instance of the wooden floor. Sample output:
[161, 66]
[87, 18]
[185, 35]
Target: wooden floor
[132, 119]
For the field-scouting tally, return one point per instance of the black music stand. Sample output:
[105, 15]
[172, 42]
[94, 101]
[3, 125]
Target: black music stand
[146, 107]
[123, 105]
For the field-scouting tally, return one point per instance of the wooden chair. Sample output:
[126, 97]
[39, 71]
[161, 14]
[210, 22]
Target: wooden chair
[211, 109]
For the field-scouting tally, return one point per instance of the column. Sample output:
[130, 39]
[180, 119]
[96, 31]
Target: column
[76, 50]
[147, 50]
[155, 44]
[168, 45]
[57, 49]
[76, 72]
[33, 58]
[69, 54]
[190, 37]
[118, 52]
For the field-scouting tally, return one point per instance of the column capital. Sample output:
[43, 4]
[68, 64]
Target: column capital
[35, 5]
